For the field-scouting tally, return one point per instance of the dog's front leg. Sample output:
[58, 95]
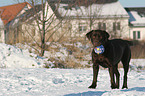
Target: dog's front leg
[111, 72]
[95, 75]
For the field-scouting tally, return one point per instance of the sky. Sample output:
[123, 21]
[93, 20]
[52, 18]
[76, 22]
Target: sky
[124, 3]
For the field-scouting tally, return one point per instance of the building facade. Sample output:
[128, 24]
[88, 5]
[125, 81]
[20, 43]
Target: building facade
[137, 23]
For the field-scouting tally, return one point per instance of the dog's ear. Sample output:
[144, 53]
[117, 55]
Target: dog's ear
[106, 34]
[88, 35]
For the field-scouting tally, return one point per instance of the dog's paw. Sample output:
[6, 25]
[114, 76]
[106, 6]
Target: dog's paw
[92, 86]
[114, 87]
[124, 87]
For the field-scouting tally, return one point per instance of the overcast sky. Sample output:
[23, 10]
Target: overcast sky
[125, 3]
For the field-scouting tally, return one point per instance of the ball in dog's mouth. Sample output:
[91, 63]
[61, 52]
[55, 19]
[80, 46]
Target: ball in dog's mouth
[99, 49]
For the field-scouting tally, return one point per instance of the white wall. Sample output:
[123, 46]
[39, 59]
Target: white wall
[142, 32]
[123, 32]
[2, 37]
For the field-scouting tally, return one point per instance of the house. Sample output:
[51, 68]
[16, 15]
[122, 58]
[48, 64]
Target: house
[137, 22]
[30, 23]
[74, 18]
[85, 15]
[8, 15]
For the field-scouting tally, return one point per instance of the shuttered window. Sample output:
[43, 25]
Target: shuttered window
[99, 25]
[102, 26]
[136, 35]
[116, 26]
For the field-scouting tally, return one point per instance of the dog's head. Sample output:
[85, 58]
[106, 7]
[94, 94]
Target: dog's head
[98, 37]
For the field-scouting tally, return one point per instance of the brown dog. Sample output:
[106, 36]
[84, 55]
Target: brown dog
[108, 53]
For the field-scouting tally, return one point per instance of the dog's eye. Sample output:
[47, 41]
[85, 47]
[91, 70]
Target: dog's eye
[99, 35]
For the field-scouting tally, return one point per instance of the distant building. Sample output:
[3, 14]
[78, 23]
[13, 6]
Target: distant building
[85, 15]
[78, 17]
[137, 22]
[81, 16]
[8, 15]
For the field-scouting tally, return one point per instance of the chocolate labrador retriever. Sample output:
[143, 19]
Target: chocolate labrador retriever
[108, 53]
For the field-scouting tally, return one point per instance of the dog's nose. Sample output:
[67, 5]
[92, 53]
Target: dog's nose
[96, 44]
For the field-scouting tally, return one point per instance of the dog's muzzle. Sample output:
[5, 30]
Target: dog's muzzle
[99, 49]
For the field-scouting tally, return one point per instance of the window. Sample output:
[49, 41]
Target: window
[77, 7]
[102, 26]
[142, 14]
[136, 35]
[99, 25]
[82, 27]
[116, 26]
[25, 8]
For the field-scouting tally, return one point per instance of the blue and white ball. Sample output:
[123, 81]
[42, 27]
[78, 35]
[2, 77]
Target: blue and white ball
[99, 49]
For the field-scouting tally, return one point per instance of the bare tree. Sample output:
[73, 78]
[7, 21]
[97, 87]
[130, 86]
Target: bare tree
[43, 24]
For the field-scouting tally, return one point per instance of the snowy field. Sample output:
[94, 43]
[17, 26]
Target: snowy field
[66, 82]
[23, 74]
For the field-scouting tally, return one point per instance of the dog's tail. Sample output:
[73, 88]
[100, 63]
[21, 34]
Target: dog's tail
[130, 43]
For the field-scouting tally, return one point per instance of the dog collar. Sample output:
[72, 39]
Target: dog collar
[99, 49]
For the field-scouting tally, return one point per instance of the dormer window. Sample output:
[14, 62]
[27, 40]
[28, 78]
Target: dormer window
[67, 7]
[142, 14]
[25, 8]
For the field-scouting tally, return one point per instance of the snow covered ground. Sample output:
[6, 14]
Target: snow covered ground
[14, 57]
[23, 74]
[66, 82]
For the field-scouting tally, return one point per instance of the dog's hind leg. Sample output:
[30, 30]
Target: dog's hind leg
[126, 68]
[125, 61]
[117, 77]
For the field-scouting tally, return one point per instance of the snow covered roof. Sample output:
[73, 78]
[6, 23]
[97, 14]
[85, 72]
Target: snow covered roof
[137, 16]
[95, 10]
[82, 2]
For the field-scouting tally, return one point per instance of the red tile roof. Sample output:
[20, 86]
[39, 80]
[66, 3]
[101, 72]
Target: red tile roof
[8, 13]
